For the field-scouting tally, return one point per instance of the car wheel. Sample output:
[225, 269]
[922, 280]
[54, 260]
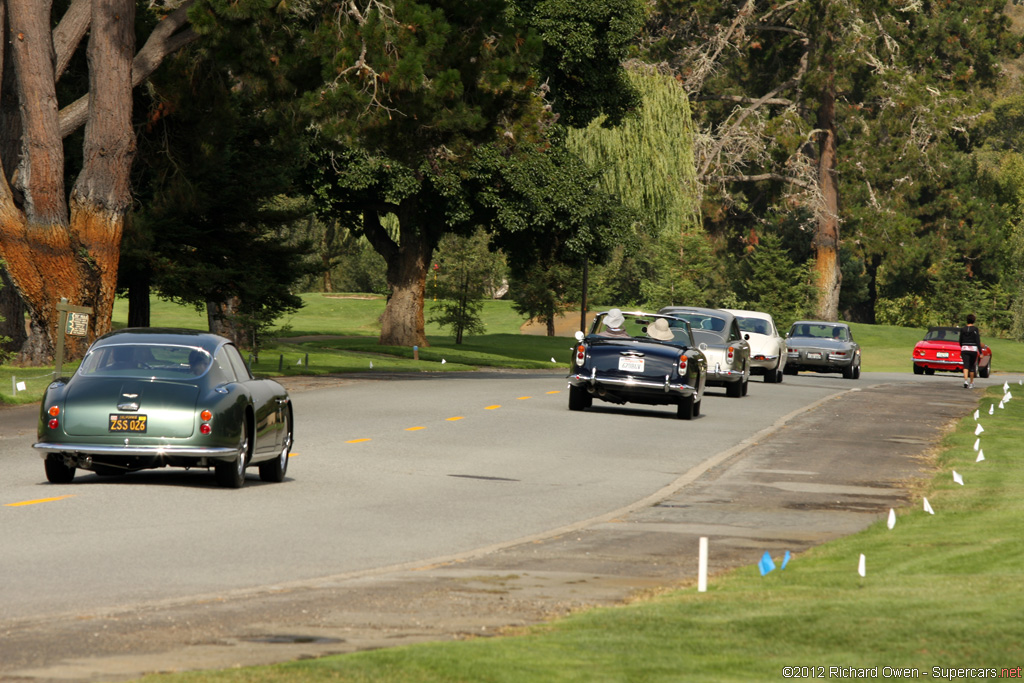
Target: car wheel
[779, 374]
[773, 375]
[745, 386]
[848, 372]
[733, 390]
[985, 371]
[918, 370]
[791, 370]
[929, 371]
[579, 399]
[231, 474]
[274, 470]
[56, 471]
[696, 408]
[685, 409]
[856, 372]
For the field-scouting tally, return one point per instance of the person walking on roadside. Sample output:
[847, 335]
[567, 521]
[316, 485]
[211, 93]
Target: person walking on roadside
[970, 348]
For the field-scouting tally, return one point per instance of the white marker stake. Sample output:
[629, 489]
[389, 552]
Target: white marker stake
[1006, 386]
[928, 507]
[553, 360]
[991, 409]
[976, 412]
[443, 361]
[957, 478]
[979, 429]
[702, 566]
[861, 568]
[1000, 405]
[892, 518]
[977, 444]
[981, 456]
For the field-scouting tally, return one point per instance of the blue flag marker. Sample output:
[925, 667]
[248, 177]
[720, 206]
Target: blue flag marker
[785, 560]
[766, 564]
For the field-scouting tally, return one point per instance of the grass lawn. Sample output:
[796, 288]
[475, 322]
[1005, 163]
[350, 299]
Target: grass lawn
[940, 591]
[352, 319]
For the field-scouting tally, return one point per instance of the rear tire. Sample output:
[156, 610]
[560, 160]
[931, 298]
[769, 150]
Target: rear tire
[274, 470]
[918, 370]
[687, 408]
[231, 474]
[56, 471]
[733, 390]
[929, 371]
[579, 399]
[985, 371]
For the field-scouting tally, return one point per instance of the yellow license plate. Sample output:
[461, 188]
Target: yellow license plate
[127, 423]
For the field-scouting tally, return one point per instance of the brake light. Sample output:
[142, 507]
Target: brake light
[53, 412]
[53, 423]
[205, 427]
[682, 365]
[581, 354]
[730, 354]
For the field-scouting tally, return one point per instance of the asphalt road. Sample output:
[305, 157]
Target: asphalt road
[390, 475]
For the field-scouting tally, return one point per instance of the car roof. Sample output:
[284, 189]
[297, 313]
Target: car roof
[748, 314]
[164, 335]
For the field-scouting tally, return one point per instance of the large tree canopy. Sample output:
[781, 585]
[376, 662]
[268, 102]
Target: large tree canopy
[837, 111]
[407, 90]
[57, 243]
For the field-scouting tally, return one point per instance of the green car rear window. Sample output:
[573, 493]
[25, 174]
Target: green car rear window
[157, 361]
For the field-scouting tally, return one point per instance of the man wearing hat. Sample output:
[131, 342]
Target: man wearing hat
[613, 322]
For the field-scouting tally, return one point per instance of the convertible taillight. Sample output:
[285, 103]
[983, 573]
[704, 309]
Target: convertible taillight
[205, 427]
[730, 354]
[581, 354]
[53, 412]
[682, 365]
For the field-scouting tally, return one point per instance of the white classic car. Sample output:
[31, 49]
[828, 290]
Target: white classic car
[767, 346]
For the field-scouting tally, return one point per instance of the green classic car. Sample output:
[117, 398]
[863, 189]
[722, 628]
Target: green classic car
[145, 398]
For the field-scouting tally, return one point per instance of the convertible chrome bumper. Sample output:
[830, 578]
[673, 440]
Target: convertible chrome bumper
[111, 449]
[929, 361]
[666, 386]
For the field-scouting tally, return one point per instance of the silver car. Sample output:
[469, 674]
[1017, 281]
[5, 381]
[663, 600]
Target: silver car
[821, 346]
[717, 334]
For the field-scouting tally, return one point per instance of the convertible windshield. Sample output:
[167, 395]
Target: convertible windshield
[642, 328]
[943, 334]
[160, 361]
[820, 331]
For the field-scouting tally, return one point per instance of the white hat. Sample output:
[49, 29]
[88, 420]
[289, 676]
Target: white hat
[659, 330]
[614, 318]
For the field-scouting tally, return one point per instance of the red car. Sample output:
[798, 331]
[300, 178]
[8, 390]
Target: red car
[940, 350]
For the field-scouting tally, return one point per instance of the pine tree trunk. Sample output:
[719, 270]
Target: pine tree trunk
[826, 239]
[222, 319]
[12, 312]
[402, 323]
[54, 248]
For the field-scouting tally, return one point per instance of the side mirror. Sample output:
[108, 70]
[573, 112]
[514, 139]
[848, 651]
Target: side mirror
[579, 335]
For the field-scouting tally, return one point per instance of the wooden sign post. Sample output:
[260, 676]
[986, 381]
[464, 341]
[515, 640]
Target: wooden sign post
[73, 320]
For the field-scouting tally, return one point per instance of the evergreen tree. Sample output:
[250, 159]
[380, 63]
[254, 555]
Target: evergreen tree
[465, 271]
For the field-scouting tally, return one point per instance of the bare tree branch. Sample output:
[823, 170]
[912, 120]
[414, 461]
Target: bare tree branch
[68, 34]
[170, 35]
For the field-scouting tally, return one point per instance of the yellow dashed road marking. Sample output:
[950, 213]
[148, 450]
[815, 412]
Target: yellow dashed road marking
[37, 501]
[414, 429]
[557, 391]
[453, 419]
[523, 398]
[492, 407]
[357, 440]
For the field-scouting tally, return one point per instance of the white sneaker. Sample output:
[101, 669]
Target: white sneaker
[972, 386]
